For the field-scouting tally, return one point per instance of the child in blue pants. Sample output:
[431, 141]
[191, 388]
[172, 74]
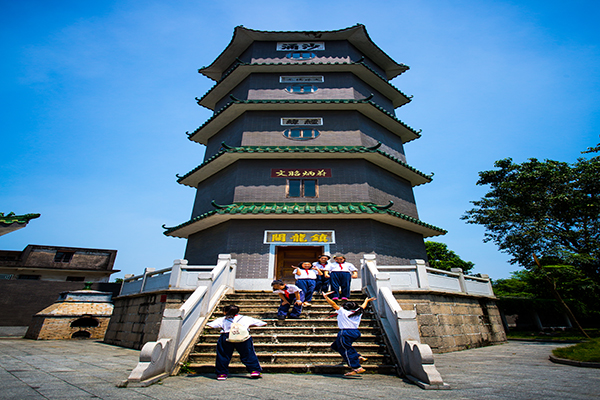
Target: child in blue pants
[323, 281]
[306, 279]
[225, 348]
[348, 318]
[289, 294]
[341, 273]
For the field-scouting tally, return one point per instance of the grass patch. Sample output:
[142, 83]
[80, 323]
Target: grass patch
[587, 351]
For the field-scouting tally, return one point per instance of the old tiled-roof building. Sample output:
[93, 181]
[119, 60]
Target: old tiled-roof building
[304, 156]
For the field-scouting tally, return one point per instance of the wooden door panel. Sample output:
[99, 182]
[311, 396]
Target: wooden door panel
[287, 257]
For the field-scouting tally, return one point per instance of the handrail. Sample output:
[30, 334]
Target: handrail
[401, 328]
[180, 327]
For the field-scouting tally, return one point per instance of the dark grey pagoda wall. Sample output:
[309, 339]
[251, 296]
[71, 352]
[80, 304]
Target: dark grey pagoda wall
[360, 141]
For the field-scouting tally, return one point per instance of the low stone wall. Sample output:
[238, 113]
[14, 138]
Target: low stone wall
[454, 321]
[136, 318]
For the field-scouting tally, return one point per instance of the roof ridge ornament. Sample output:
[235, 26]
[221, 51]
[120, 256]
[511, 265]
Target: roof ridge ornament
[373, 148]
[215, 205]
[391, 203]
[235, 99]
[225, 146]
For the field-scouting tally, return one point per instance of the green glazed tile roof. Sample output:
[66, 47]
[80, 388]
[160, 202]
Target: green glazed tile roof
[329, 101]
[357, 35]
[307, 209]
[357, 63]
[12, 218]
[309, 150]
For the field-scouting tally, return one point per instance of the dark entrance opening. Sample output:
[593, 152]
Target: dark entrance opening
[81, 335]
[85, 322]
[287, 257]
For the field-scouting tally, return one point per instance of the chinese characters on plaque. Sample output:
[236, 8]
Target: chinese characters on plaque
[300, 46]
[301, 79]
[302, 121]
[317, 237]
[301, 173]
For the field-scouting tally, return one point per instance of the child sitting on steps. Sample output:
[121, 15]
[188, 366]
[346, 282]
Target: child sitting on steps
[289, 294]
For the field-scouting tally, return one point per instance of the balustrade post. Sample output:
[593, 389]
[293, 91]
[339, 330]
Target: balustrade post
[423, 280]
[461, 279]
[489, 284]
[176, 271]
[365, 275]
[146, 272]
[127, 276]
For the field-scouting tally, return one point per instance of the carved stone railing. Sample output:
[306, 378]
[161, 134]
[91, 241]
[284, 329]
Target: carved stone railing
[418, 276]
[179, 276]
[401, 328]
[180, 327]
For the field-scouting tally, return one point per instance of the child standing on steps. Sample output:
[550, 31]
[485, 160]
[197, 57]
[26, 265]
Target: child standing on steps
[306, 279]
[225, 347]
[341, 273]
[289, 294]
[323, 279]
[348, 318]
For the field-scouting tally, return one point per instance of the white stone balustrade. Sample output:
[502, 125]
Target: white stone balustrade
[400, 326]
[418, 276]
[179, 276]
[180, 327]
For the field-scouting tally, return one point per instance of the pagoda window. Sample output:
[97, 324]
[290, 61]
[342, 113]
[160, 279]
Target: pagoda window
[298, 89]
[300, 56]
[301, 133]
[63, 256]
[29, 277]
[302, 188]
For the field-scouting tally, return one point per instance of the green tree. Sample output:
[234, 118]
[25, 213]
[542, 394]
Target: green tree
[549, 208]
[441, 257]
[578, 291]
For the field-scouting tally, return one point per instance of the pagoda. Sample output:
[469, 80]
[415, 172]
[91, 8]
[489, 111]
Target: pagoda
[304, 156]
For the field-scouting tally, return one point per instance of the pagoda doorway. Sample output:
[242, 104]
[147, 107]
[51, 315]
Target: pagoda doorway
[287, 257]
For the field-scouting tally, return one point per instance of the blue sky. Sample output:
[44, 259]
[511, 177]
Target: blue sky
[97, 97]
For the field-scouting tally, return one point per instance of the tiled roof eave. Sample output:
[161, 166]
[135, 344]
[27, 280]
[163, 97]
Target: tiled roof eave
[302, 211]
[234, 109]
[12, 218]
[228, 156]
[241, 70]
[357, 35]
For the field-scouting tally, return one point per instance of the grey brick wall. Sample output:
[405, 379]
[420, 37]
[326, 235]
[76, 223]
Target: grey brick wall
[336, 85]
[244, 240]
[335, 51]
[340, 128]
[353, 180]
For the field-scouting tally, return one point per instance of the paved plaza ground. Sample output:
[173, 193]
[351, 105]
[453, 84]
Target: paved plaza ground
[87, 369]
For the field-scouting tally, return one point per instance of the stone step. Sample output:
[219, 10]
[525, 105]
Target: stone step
[306, 314]
[305, 330]
[292, 358]
[283, 338]
[315, 368]
[251, 295]
[304, 347]
[303, 321]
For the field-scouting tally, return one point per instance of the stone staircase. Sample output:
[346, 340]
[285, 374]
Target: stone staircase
[294, 345]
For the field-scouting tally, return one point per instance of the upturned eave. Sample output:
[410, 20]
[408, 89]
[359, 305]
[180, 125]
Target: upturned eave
[242, 70]
[228, 156]
[316, 211]
[233, 110]
[357, 35]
